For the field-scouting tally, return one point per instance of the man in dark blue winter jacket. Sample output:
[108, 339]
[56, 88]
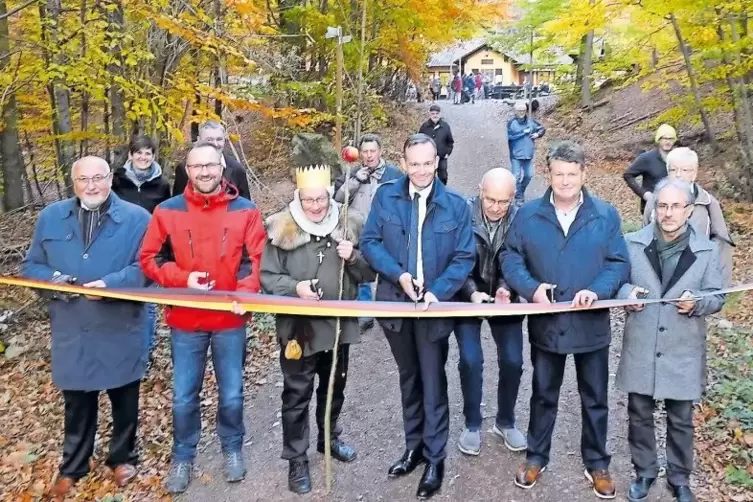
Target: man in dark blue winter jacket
[567, 247]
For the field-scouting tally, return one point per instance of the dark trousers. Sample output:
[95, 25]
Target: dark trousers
[298, 386]
[508, 336]
[592, 369]
[423, 387]
[81, 427]
[642, 439]
[442, 171]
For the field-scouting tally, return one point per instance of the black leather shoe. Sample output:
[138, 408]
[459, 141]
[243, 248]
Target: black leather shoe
[431, 481]
[407, 464]
[639, 488]
[682, 493]
[299, 479]
[340, 451]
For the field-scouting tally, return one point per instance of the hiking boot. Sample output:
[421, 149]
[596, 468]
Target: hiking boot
[299, 479]
[602, 483]
[528, 475]
[682, 493]
[469, 442]
[179, 477]
[340, 450]
[234, 466]
[639, 489]
[513, 438]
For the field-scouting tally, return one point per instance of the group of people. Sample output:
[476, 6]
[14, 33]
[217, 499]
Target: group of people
[420, 242]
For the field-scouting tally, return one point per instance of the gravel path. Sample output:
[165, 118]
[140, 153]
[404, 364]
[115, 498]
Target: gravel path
[372, 415]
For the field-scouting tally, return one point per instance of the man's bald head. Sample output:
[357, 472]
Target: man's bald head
[90, 162]
[497, 192]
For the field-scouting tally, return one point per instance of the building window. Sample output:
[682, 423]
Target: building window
[498, 71]
[487, 61]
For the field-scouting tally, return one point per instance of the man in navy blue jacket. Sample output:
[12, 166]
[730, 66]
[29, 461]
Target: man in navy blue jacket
[567, 247]
[419, 238]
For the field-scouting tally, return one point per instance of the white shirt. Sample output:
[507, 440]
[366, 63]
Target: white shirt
[566, 218]
[423, 197]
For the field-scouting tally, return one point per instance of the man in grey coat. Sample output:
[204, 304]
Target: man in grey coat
[92, 240]
[664, 344]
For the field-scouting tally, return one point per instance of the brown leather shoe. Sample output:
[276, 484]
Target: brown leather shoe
[124, 474]
[62, 487]
[528, 475]
[602, 483]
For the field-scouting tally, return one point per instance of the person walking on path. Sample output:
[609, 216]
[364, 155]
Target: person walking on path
[707, 216]
[479, 81]
[436, 88]
[214, 133]
[419, 238]
[93, 240]
[651, 166]
[207, 237]
[140, 181]
[568, 247]
[439, 131]
[664, 344]
[313, 225]
[370, 175]
[457, 88]
[492, 213]
[522, 131]
[469, 86]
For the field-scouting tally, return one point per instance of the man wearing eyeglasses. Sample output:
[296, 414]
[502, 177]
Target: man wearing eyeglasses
[664, 344]
[206, 238]
[214, 133]
[492, 211]
[92, 240]
[419, 238]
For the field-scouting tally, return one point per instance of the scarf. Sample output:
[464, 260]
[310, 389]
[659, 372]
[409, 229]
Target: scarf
[669, 252]
[141, 176]
[321, 229]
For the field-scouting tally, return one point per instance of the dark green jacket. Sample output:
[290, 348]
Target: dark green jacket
[292, 256]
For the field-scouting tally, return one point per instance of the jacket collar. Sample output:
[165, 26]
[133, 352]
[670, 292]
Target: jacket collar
[585, 211]
[702, 197]
[114, 210]
[227, 193]
[284, 231]
[438, 194]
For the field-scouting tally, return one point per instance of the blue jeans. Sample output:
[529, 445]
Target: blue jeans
[151, 312]
[365, 292]
[508, 336]
[522, 169]
[189, 354]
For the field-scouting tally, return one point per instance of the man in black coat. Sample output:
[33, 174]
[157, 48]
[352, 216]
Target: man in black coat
[439, 130]
[651, 166]
[214, 132]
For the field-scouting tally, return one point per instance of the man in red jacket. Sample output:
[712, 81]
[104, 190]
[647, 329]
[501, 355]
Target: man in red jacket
[206, 238]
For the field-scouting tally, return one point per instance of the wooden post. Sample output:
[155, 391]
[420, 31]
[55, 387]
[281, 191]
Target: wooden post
[339, 93]
[530, 76]
[359, 112]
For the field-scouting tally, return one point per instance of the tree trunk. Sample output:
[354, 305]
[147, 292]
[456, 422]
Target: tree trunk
[685, 50]
[115, 30]
[586, 99]
[83, 147]
[10, 153]
[218, 31]
[58, 94]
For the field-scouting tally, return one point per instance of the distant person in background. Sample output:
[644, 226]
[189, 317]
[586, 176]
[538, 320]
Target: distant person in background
[651, 166]
[522, 131]
[470, 87]
[457, 89]
[140, 181]
[479, 81]
[436, 88]
[707, 216]
[362, 186]
[439, 130]
[214, 132]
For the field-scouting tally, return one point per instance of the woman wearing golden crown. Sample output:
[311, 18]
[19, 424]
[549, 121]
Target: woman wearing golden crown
[307, 242]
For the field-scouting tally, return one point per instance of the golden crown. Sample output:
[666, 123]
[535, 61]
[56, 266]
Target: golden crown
[312, 176]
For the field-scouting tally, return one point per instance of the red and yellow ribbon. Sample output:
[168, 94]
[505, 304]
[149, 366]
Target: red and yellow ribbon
[223, 300]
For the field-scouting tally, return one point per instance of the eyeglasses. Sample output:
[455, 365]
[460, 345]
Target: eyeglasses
[308, 201]
[663, 208]
[684, 170]
[494, 202]
[219, 139]
[84, 181]
[200, 167]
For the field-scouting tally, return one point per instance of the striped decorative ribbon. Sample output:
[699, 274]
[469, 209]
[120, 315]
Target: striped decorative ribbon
[223, 300]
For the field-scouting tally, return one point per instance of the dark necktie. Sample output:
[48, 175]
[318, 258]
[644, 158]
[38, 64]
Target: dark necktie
[413, 237]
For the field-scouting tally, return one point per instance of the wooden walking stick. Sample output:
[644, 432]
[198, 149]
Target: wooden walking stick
[335, 350]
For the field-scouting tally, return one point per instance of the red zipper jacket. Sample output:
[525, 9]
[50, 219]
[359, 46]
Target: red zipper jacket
[221, 234]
